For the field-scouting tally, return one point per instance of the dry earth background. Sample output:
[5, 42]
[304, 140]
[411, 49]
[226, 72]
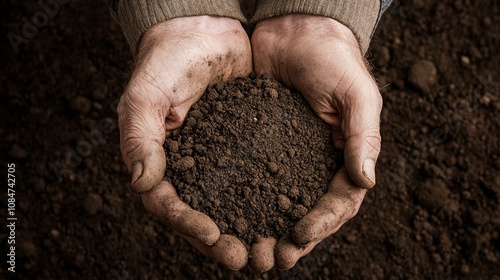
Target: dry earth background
[434, 213]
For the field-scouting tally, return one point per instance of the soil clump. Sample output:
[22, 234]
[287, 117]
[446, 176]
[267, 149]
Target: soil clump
[253, 156]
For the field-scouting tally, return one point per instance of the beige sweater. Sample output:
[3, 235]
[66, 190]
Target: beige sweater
[135, 16]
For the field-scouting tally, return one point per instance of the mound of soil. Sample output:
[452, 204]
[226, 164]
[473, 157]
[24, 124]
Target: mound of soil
[253, 156]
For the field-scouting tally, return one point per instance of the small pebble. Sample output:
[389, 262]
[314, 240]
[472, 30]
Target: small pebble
[173, 146]
[283, 202]
[383, 56]
[465, 60]
[299, 212]
[241, 225]
[171, 239]
[212, 95]
[239, 95]
[100, 93]
[351, 238]
[273, 167]
[184, 164]
[93, 203]
[186, 198]
[191, 121]
[293, 192]
[465, 269]
[273, 93]
[80, 104]
[423, 75]
[149, 231]
[196, 114]
[54, 232]
[17, 152]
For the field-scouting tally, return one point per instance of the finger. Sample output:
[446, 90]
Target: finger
[262, 254]
[163, 202]
[339, 204]
[228, 250]
[142, 133]
[360, 109]
[287, 252]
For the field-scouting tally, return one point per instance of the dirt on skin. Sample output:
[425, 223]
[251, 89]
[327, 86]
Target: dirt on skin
[439, 141]
[253, 156]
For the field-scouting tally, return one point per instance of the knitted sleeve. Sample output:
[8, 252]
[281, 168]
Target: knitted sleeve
[136, 16]
[361, 16]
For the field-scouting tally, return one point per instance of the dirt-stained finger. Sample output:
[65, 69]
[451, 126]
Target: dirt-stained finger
[261, 256]
[163, 202]
[287, 252]
[142, 133]
[361, 122]
[337, 206]
[228, 250]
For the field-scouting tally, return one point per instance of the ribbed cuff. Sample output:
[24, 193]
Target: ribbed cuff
[136, 16]
[359, 15]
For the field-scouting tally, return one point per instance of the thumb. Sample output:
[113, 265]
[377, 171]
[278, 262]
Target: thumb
[361, 107]
[142, 133]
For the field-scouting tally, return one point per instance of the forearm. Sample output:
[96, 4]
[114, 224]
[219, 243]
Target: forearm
[360, 16]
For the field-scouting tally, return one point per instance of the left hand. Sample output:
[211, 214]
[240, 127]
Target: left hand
[177, 59]
[322, 59]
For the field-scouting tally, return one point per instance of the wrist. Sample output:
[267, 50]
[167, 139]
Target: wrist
[137, 16]
[300, 23]
[285, 31]
[360, 16]
[187, 26]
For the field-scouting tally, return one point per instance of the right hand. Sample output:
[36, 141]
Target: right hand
[321, 58]
[177, 59]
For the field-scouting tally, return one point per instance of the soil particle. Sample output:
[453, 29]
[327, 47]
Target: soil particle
[423, 75]
[29, 249]
[183, 164]
[273, 167]
[100, 93]
[80, 104]
[293, 192]
[17, 152]
[299, 211]
[383, 56]
[283, 202]
[273, 93]
[433, 195]
[93, 203]
[172, 145]
[241, 225]
[246, 171]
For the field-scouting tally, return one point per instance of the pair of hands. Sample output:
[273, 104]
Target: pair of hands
[178, 58]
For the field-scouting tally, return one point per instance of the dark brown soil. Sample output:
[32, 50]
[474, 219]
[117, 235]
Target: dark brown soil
[253, 156]
[443, 142]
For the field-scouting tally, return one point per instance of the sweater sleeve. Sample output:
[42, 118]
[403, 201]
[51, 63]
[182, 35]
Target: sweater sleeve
[136, 16]
[361, 16]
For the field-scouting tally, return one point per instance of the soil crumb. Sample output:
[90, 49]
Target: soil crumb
[253, 156]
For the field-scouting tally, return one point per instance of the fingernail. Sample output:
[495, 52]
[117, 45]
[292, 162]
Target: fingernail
[137, 169]
[369, 170]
